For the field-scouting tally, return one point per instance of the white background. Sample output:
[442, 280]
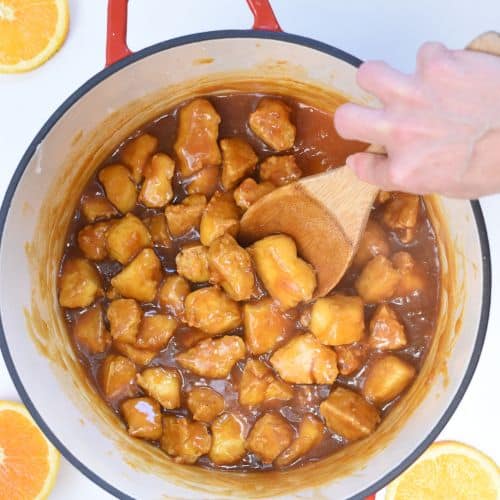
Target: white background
[375, 29]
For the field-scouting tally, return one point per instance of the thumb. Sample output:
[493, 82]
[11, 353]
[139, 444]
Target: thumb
[372, 168]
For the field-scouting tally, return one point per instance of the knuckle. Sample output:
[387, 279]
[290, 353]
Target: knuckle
[434, 59]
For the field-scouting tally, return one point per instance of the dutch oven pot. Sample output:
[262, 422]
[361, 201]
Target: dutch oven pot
[38, 207]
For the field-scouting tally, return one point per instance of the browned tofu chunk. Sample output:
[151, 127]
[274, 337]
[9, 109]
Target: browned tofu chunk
[401, 214]
[124, 316]
[117, 377]
[213, 358]
[386, 331]
[373, 242]
[348, 414]
[205, 404]
[185, 440]
[141, 357]
[351, 357]
[387, 377]
[221, 216]
[188, 337]
[383, 197]
[158, 229]
[258, 384]
[338, 319]
[173, 293]
[228, 442]
[155, 332]
[192, 263]
[143, 418]
[287, 277]
[280, 170]
[248, 192]
[231, 267]
[156, 189]
[205, 181]
[79, 283]
[126, 238]
[137, 153]
[265, 325]
[92, 240]
[311, 431]
[162, 384]
[119, 186]
[412, 276]
[378, 280]
[269, 437]
[271, 123]
[304, 360]
[97, 207]
[185, 216]
[238, 161]
[140, 279]
[90, 332]
[196, 144]
[212, 311]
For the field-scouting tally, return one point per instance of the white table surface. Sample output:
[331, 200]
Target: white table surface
[379, 29]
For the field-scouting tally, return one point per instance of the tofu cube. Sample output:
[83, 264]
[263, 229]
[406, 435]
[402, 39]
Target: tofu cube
[221, 216]
[238, 161]
[249, 191]
[173, 293]
[79, 284]
[90, 332]
[412, 276]
[137, 153]
[124, 316]
[156, 189]
[192, 263]
[386, 331]
[188, 337]
[140, 357]
[92, 240]
[401, 214]
[155, 332]
[186, 216]
[351, 357]
[143, 418]
[119, 187]
[117, 377]
[205, 181]
[162, 384]
[95, 208]
[349, 414]
[280, 170]
[288, 279]
[205, 404]
[228, 441]
[373, 242]
[378, 280]
[158, 229]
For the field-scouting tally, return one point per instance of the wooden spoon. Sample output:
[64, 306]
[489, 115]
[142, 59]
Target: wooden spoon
[326, 214]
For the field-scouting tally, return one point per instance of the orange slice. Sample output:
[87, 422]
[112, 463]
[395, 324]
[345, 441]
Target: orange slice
[448, 471]
[28, 462]
[31, 31]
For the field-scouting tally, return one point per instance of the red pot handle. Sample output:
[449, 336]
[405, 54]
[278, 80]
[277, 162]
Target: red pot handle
[116, 41]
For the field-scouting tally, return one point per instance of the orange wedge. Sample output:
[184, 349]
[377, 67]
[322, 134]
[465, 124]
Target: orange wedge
[28, 462]
[448, 471]
[31, 31]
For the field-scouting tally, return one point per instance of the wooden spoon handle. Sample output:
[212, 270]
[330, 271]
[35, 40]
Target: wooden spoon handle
[487, 42]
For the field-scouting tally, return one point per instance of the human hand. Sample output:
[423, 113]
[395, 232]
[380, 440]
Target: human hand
[440, 126]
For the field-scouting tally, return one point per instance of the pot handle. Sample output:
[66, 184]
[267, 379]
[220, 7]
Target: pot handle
[116, 39]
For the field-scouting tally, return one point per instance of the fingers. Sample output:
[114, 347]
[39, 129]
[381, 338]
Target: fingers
[372, 168]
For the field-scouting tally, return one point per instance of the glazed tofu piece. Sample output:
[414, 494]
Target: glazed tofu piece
[287, 277]
[205, 181]
[269, 437]
[258, 384]
[231, 268]
[92, 240]
[156, 189]
[213, 358]
[238, 161]
[271, 123]
[140, 279]
[338, 319]
[192, 263]
[265, 325]
[349, 414]
[228, 441]
[184, 440]
[311, 431]
[158, 229]
[304, 360]
[386, 331]
[401, 214]
[378, 280]
[280, 170]
[196, 144]
[117, 377]
[155, 332]
[90, 332]
[143, 418]
[249, 191]
[95, 208]
[126, 238]
[185, 216]
[205, 404]
[140, 357]
[373, 242]
[137, 153]
[412, 276]
[387, 377]
[212, 311]
[79, 284]
[162, 384]
[173, 293]
[119, 187]
[221, 216]
[188, 337]
[383, 197]
[124, 316]
[351, 357]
